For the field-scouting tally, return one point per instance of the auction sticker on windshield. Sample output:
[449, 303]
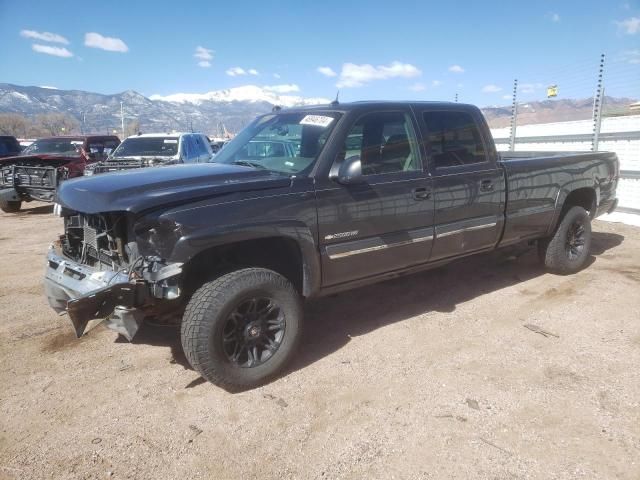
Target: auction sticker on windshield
[170, 140]
[316, 120]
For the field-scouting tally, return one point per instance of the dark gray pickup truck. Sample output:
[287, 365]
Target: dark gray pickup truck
[230, 249]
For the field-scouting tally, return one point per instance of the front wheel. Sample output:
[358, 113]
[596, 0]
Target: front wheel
[239, 330]
[10, 206]
[568, 249]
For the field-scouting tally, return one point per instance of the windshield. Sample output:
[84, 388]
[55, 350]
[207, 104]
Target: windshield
[285, 142]
[55, 146]
[147, 147]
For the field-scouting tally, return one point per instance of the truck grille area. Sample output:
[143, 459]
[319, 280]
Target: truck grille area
[96, 240]
[33, 174]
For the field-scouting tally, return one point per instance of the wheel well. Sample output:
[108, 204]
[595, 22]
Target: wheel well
[279, 254]
[581, 197]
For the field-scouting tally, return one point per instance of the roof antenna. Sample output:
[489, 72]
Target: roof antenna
[336, 102]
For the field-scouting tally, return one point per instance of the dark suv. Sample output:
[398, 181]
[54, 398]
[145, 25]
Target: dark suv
[9, 146]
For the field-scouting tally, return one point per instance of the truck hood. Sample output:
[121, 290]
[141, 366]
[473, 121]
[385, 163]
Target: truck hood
[139, 190]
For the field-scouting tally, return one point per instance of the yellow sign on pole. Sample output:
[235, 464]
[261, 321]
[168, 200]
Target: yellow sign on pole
[552, 91]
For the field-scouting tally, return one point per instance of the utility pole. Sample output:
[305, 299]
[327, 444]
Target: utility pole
[598, 100]
[122, 119]
[514, 115]
[456, 99]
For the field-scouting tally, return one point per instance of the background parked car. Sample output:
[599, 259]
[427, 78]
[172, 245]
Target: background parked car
[156, 149]
[34, 174]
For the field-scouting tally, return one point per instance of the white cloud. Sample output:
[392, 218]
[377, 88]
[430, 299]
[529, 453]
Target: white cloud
[436, 83]
[456, 69]
[292, 87]
[326, 71]
[205, 55]
[506, 97]
[555, 18]
[232, 72]
[353, 75]
[417, 87]
[630, 56]
[529, 87]
[49, 50]
[110, 44]
[630, 25]
[276, 75]
[237, 71]
[44, 36]
[491, 88]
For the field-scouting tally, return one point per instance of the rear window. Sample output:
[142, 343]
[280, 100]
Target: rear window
[454, 139]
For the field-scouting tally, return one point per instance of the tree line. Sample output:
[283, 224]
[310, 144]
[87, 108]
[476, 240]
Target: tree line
[49, 125]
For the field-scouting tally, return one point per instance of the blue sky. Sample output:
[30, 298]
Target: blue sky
[371, 49]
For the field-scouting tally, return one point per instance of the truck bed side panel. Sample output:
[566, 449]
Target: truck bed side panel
[538, 186]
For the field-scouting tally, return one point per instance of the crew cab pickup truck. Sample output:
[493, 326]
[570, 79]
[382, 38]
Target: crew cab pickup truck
[36, 172]
[230, 249]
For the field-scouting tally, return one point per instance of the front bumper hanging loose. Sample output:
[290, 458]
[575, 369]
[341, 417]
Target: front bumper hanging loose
[88, 294]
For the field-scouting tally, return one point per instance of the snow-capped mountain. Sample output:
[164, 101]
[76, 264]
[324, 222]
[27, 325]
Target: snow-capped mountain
[248, 93]
[234, 107]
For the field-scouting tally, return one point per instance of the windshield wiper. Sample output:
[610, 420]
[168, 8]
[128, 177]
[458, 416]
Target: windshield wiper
[247, 163]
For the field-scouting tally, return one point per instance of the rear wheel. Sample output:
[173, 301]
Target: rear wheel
[568, 249]
[240, 330]
[10, 206]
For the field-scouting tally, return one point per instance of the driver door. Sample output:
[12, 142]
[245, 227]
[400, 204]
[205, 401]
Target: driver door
[386, 222]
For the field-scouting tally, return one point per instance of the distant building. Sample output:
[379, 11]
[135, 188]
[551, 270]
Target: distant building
[635, 107]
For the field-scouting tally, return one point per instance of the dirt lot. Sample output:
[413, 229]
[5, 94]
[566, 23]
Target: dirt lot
[429, 376]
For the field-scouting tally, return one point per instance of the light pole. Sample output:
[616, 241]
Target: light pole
[122, 119]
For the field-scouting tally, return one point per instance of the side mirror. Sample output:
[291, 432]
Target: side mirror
[349, 171]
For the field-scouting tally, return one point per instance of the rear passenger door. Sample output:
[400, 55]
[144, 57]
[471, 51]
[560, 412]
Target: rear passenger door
[468, 186]
[386, 222]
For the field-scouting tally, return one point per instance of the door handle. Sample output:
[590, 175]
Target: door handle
[421, 193]
[486, 185]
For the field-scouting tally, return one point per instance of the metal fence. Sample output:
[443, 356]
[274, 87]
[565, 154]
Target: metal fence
[609, 121]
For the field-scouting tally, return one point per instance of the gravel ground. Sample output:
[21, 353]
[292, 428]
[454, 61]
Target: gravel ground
[429, 376]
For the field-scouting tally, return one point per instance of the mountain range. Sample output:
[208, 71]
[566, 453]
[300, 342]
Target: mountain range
[231, 108]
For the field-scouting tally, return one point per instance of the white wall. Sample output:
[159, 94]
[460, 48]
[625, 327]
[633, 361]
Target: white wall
[628, 150]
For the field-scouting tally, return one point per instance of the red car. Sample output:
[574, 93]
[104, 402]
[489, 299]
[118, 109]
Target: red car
[37, 171]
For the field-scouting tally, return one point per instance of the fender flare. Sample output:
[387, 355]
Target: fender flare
[564, 192]
[192, 244]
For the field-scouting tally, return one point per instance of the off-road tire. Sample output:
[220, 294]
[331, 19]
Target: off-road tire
[554, 252]
[10, 206]
[208, 312]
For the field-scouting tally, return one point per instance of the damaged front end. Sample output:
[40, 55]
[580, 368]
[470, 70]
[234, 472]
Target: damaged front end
[94, 273]
[32, 179]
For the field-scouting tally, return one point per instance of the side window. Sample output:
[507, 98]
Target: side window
[109, 146]
[206, 145]
[453, 139]
[187, 149]
[385, 142]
